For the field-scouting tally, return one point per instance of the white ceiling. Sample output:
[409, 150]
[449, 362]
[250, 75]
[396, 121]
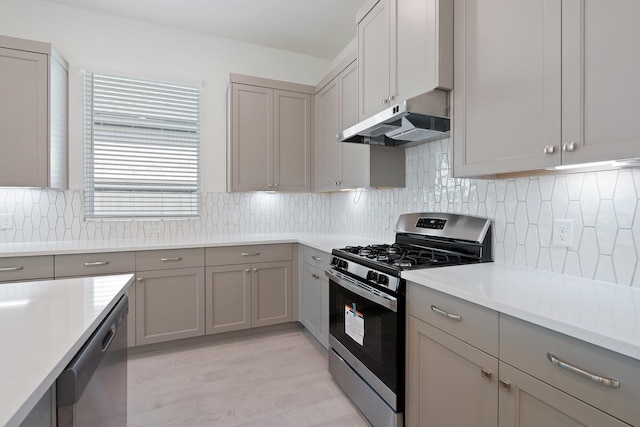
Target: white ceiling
[319, 28]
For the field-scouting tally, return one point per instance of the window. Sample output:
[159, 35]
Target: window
[142, 148]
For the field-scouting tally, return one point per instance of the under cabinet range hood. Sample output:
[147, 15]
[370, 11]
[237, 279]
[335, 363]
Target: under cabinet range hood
[416, 120]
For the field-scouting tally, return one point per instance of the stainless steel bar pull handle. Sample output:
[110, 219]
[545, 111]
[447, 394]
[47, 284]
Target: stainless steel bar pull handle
[95, 263]
[581, 372]
[178, 258]
[16, 268]
[316, 258]
[250, 253]
[446, 314]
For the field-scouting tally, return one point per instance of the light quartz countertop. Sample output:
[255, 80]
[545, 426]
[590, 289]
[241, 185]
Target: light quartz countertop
[43, 324]
[603, 314]
[321, 241]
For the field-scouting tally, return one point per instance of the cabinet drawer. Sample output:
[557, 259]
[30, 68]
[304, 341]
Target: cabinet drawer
[315, 257]
[469, 322]
[26, 268]
[94, 264]
[527, 346]
[248, 254]
[170, 258]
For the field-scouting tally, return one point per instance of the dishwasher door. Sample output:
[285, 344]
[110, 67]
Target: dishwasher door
[92, 390]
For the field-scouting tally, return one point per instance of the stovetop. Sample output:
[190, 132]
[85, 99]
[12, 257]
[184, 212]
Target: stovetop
[423, 240]
[401, 256]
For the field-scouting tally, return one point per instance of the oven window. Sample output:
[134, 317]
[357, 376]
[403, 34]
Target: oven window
[373, 335]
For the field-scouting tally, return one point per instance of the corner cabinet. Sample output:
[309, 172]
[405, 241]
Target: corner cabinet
[405, 48]
[339, 165]
[534, 84]
[270, 135]
[33, 114]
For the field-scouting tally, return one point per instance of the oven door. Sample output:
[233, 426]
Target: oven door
[366, 330]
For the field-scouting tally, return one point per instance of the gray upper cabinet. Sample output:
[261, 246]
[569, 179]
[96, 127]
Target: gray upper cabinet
[339, 165]
[405, 48]
[533, 84]
[33, 114]
[270, 135]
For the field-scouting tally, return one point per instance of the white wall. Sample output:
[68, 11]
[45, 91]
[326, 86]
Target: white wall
[102, 42]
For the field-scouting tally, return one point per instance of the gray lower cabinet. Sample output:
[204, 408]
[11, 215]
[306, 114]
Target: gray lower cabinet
[527, 401]
[314, 293]
[169, 304]
[228, 298]
[444, 372]
[450, 382]
[14, 269]
[248, 286]
[98, 264]
[456, 376]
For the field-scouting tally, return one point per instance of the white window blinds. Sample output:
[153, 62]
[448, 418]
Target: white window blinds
[142, 148]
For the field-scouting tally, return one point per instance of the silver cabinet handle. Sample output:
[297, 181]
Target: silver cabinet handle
[95, 263]
[140, 279]
[549, 149]
[16, 268]
[316, 258]
[250, 253]
[486, 373]
[254, 269]
[569, 146]
[581, 372]
[277, 185]
[445, 314]
[270, 185]
[247, 270]
[505, 384]
[178, 258]
[315, 276]
[385, 101]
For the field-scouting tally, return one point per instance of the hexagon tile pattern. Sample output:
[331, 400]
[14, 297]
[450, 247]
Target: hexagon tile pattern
[603, 206]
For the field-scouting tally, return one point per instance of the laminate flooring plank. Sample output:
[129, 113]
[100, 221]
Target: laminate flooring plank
[272, 380]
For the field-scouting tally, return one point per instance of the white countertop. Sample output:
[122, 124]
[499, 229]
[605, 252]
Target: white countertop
[603, 314]
[321, 241]
[43, 324]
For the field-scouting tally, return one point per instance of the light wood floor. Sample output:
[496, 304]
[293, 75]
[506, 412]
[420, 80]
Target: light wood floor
[279, 379]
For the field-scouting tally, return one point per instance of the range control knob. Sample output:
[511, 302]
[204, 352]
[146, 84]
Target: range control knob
[383, 280]
[372, 276]
[335, 261]
[343, 264]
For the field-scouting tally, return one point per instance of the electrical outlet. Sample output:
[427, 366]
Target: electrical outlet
[6, 221]
[563, 232]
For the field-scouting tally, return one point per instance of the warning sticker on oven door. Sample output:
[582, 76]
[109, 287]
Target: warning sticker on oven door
[354, 324]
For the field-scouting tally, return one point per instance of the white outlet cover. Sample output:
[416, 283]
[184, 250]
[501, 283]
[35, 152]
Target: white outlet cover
[563, 232]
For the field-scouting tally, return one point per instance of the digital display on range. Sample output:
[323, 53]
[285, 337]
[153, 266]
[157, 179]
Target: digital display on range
[432, 223]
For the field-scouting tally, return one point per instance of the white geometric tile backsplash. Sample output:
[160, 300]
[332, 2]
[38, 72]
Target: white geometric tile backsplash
[603, 206]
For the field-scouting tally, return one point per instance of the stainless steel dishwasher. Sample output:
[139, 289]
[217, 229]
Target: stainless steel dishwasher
[92, 390]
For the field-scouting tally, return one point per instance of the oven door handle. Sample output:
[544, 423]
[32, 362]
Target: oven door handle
[387, 302]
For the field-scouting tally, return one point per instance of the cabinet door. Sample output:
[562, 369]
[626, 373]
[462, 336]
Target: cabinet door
[449, 383]
[354, 158]
[270, 293]
[375, 55]
[24, 106]
[323, 327]
[251, 138]
[328, 149]
[600, 85]
[310, 299]
[228, 296]
[528, 402]
[169, 305]
[292, 136]
[507, 79]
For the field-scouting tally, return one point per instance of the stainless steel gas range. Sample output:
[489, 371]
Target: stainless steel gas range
[367, 304]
